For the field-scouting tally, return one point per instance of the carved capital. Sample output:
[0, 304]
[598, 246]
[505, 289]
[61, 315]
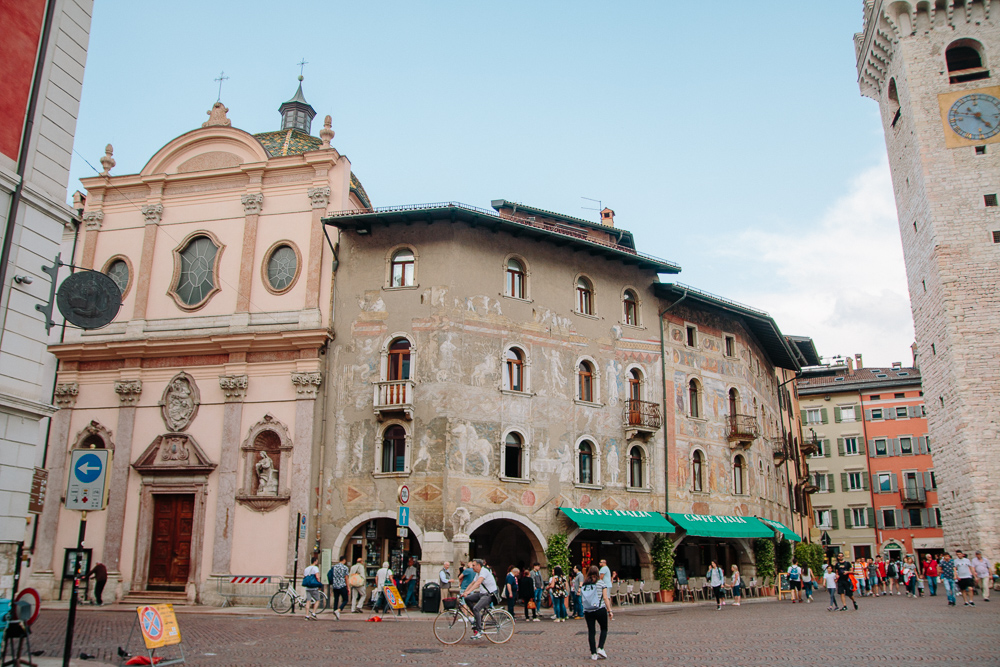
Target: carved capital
[252, 203]
[319, 197]
[152, 213]
[128, 392]
[234, 387]
[93, 219]
[66, 394]
[307, 384]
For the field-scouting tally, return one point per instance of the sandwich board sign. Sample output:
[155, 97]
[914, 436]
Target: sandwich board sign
[88, 479]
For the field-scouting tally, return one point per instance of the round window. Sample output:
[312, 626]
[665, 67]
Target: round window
[282, 267]
[118, 272]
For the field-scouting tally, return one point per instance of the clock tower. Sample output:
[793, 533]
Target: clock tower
[934, 68]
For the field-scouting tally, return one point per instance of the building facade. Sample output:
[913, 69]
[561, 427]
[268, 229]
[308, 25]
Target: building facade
[874, 483]
[44, 52]
[931, 66]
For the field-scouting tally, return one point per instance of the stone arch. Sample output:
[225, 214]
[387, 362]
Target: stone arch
[351, 525]
[94, 430]
[538, 541]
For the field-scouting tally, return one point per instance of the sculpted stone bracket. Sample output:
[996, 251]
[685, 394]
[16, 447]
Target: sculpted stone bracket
[234, 387]
[66, 393]
[180, 401]
[174, 454]
[93, 219]
[262, 504]
[152, 213]
[319, 197]
[252, 204]
[128, 392]
[307, 384]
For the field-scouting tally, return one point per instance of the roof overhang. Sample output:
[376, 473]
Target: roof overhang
[367, 222]
[760, 324]
[805, 350]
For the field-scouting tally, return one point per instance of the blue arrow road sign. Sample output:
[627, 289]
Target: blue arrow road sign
[404, 516]
[88, 468]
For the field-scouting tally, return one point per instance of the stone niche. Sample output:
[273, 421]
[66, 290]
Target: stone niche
[267, 454]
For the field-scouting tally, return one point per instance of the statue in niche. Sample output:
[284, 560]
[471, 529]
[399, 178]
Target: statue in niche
[267, 476]
[460, 519]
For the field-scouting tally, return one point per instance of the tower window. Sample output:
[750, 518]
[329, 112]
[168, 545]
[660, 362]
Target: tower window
[996, 236]
[965, 61]
[980, 150]
[990, 200]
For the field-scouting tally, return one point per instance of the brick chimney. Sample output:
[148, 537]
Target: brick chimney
[608, 217]
[850, 366]
[857, 358]
[896, 365]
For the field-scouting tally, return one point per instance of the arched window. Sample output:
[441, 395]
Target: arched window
[694, 399]
[734, 402]
[513, 379]
[403, 264]
[584, 296]
[965, 61]
[394, 449]
[634, 396]
[630, 303]
[738, 467]
[697, 471]
[513, 456]
[399, 360]
[515, 278]
[119, 270]
[586, 462]
[586, 376]
[95, 441]
[635, 467]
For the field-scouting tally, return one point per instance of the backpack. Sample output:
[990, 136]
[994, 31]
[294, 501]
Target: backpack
[890, 570]
[793, 573]
[592, 597]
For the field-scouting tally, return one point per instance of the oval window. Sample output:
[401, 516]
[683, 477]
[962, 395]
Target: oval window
[118, 272]
[282, 267]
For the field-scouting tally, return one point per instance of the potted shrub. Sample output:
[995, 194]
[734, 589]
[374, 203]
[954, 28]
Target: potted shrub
[763, 556]
[663, 567]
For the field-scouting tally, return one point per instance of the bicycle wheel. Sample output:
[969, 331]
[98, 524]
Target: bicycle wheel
[324, 603]
[281, 602]
[498, 626]
[449, 626]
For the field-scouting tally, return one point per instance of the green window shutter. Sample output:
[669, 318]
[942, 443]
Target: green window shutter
[871, 516]
[843, 482]
[861, 446]
[827, 451]
[864, 483]
[924, 520]
[823, 416]
[847, 518]
[899, 517]
[804, 420]
[927, 481]
[836, 415]
[872, 452]
[879, 521]
[921, 445]
[834, 523]
[895, 484]
[906, 519]
[888, 413]
[868, 415]
[857, 413]
[830, 484]
[840, 446]
[895, 450]
[931, 518]
[875, 487]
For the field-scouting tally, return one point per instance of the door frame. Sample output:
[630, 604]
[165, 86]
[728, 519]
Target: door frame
[144, 537]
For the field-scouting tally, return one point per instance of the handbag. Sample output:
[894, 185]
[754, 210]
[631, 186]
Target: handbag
[531, 604]
[311, 581]
[356, 580]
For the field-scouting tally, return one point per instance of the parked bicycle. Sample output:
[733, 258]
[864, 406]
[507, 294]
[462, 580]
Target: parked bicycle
[288, 599]
[451, 625]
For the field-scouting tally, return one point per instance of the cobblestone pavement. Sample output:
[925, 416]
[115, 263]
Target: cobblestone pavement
[894, 631]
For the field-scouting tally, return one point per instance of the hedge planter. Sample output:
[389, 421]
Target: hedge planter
[666, 596]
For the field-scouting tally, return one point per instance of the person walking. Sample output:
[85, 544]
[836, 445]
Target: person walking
[966, 577]
[574, 592]
[892, 577]
[882, 574]
[861, 575]
[980, 567]
[539, 584]
[337, 578]
[510, 589]
[356, 580]
[578, 579]
[737, 585]
[410, 578]
[716, 577]
[606, 573]
[100, 574]
[910, 577]
[872, 573]
[383, 578]
[947, 568]
[807, 582]
[795, 581]
[526, 591]
[844, 584]
[313, 586]
[478, 594]
[830, 579]
[596, 610]
[929, 568]
[557, 588]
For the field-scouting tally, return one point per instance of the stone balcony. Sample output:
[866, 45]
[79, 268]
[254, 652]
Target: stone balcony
[640, 418]
[394, 398]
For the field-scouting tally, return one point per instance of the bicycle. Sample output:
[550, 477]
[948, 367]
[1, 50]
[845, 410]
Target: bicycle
[451, 625]
[287, 598]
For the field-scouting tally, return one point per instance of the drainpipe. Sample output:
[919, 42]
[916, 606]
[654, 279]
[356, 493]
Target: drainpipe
[663, 378]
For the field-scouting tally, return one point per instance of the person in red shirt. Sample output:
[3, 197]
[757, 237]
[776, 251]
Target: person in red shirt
[929, 568]
[881, 574]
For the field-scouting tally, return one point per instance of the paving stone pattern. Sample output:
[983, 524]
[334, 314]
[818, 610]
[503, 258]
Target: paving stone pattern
[889, 631]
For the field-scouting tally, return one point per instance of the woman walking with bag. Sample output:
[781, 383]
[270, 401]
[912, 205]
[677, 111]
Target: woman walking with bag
[596, 610]
[526, 591]
[716, 578]
[557, 584]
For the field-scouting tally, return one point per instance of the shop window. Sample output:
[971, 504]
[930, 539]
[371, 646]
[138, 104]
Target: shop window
[697, 471]
[403, 268]
[584, 296]
[393, 458]
[630, 304]
[516, 276]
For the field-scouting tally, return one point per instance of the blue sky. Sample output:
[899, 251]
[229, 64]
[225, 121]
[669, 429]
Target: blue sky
[729, 137]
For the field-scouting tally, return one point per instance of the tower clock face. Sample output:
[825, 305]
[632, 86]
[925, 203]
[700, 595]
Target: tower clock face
[975, 116]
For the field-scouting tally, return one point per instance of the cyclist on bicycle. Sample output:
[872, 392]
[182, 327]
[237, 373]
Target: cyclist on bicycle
[479, 594]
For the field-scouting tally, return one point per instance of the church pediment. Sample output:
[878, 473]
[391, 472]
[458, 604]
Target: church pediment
[174, 454]
[212, 147]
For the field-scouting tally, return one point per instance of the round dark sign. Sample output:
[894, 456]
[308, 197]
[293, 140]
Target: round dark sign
[89, 299]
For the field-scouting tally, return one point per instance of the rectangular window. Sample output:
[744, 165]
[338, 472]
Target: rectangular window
[881, 447]
[899, 395]
[937, 515]
[906, 445]
[823, 519]
[902, 413]
[730, 346]
[877, 413]
[874, 397]
[980, 150]
[996, 237]
[885, 482]
[820, 450]
[855, 481]
[819, 479]
[916, 520]
[859, 517]
[889, 518]
[933, 482]
[850, 445]
[814, 416]
[847, 413]
[691, 336]
[512, 462]
[990, 200]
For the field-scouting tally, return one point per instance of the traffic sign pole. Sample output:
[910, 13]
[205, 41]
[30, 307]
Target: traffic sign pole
[71, 619]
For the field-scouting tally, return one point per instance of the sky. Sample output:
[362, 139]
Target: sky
[730, 138]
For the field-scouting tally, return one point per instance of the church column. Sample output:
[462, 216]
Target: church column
[128, 395]
[234, 387]
[92, 221]
[320, 198]
[306, 389]
[252, 204]
[152, 213]
[48, 521]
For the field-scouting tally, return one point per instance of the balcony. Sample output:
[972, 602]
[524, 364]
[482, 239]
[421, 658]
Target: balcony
[394, 398]
[640, 418]
[913, 495]
[810, 447]
[742, 430]
[809, 486]
[778, 448]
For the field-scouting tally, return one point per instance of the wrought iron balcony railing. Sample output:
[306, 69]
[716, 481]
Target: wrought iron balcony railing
[913, 495]
[742, 428]
[641, 415]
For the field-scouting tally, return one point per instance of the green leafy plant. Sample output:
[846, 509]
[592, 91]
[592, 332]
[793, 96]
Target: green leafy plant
[557, 552]
[763, 556]
[663, 562]
[811, 555]
[783, 556]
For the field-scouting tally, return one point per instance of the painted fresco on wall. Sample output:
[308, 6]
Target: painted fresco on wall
[471, 450]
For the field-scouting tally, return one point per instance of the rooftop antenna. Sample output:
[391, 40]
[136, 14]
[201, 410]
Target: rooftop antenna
[302, 68]
[600, 206]
[222, 77]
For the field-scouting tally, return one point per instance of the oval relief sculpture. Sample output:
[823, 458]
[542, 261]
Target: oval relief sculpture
[180, 402]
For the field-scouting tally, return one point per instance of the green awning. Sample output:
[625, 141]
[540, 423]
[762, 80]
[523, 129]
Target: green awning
[624, 520]
[707, 525]
[779, 527]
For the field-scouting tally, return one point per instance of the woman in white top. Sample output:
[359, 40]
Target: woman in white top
[830, 579]
[737, 586]
[716, 578]
[807, 582]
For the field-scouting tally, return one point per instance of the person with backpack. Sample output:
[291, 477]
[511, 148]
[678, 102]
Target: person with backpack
[892, 577]
[313, 586]
[596, 610]
[557, 588]
[716, 578]
[795, 581]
